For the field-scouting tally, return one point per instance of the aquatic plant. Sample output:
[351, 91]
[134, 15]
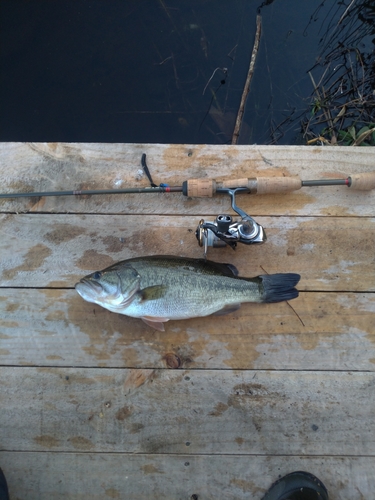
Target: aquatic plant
[342, 106]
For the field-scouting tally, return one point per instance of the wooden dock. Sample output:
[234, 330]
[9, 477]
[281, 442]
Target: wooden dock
[96, 405]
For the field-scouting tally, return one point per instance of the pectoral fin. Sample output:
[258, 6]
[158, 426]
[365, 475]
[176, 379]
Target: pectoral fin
[153, 292]
[227, 310]
[156, 323]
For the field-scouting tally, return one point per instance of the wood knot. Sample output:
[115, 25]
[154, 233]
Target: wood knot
[172, 360]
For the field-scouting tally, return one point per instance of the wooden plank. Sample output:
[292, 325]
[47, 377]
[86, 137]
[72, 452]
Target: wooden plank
[46, 327]
[98, 414]
[52, 476]
[188, 412]
[46, 250]
[62, 166]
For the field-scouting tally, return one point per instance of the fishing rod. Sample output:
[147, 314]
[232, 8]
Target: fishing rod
[206, 188]
[224, 230]
[159, 189]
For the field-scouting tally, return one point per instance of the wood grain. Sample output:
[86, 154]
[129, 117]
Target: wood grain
[98, 405]
[62, 166]
[54, 250]
[188, 411]
[317, 331]
[53, 476]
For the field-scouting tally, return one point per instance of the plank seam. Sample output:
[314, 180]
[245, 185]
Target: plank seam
[130, 454]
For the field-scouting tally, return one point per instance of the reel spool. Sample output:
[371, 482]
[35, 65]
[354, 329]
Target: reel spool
[226, 231]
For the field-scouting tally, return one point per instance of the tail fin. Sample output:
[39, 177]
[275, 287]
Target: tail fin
[279, 287]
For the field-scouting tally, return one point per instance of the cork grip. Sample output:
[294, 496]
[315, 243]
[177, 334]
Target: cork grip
[267, 185]
[235, 183]
[201, 188]
[205, 188]
[363, 182]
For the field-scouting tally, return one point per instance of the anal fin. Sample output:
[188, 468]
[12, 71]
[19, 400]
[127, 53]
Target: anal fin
[227, 310]
[156, 323]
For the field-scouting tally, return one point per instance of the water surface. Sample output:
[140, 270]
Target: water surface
[158, 71]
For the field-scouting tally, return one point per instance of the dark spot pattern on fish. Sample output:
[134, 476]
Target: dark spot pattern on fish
[160, 288]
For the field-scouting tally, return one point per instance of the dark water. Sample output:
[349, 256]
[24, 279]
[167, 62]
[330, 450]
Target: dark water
[140, 71]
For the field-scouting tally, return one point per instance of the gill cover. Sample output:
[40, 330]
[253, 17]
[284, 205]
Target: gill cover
[115, 286]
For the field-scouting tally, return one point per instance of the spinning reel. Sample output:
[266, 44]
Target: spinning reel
[226, 231]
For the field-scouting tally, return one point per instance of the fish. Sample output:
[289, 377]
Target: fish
[160, 288]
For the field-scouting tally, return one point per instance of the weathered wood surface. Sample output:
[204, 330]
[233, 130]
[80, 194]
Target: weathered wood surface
[80, 476]
[91, 404]
[188, 411]
[61, 166]
[317, 331]
[40, 250]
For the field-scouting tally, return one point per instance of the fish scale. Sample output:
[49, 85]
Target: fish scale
[157, 289]
[187, 294]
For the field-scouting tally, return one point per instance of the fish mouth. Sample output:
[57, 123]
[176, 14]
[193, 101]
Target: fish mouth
[88, 290]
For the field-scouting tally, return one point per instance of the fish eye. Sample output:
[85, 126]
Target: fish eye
[97, 275]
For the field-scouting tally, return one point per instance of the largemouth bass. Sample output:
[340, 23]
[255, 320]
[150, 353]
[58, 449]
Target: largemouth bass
[160, 288]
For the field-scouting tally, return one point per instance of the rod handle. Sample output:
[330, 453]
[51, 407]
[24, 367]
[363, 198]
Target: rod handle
[206, 188]
[199, 188]
[362, 182]
[266, 185]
